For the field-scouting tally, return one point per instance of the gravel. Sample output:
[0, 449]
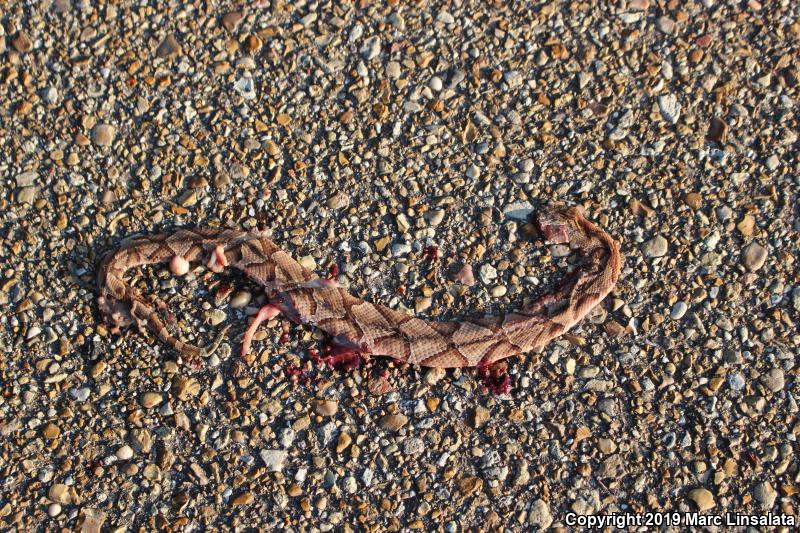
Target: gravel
[407, 145]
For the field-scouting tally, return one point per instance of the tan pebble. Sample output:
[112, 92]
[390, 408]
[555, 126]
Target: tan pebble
[301, 423]
[51, 431]
[59, 493]
[393, 422]
[169, 47]
[432, 404]
[480, 416]
[92, 520]
[433, 375]
[422, 304]
[693, 200]
[186, 388]
[151, 472]
[747, 225]
[402, 223]
[252, 43]
[151, 399]
[231, 20]
[338, 201]
[607, 446]
[715, 383]
[241, 299]
[272, 148]
[702, 498]
[103, 134]
[125, 453]
[465, 276]
[754, 256]
[470, 485]
[216, 317]
[382, 243]
[22, 43]
[343, 441]
[244, 498]
[308, 262]
[325, 407]
[498, 291]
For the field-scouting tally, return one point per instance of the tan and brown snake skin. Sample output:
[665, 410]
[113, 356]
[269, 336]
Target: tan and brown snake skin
[369, 328]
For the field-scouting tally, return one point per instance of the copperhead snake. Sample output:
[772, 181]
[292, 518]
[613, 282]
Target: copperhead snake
[356, 325]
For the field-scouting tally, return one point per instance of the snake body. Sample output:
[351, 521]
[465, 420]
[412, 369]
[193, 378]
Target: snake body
[372, 329]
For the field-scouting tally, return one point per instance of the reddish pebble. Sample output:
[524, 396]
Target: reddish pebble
[704, 40]
[465, 276]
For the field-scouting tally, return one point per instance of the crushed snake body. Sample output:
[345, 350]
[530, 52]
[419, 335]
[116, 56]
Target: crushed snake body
[303, 297]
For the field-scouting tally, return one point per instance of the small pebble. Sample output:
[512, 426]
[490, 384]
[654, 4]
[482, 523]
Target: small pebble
[371, 48]
[736, 381]
[498, 291]
[754, 256]
[241, 299]
[655, 247]
[22, 43]
[540, 516]
[151, 399]
[670, 108]
[125, 453]
[702, 498]
[465, 276]
[393, 422]
[487, 273]
[103, 134]
[678, 310]
[765, 494]
[325, 407]
[273, 459]
[665, 25]
[435, 83]
[774, 380]
[169, 47]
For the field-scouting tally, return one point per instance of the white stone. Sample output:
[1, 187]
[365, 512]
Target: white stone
[273, 459]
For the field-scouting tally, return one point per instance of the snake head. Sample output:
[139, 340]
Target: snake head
[115, 313]
[556, 224]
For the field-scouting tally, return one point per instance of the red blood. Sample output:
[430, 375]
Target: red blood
[342, 358]
[314, 353]
[432, 253]
[333, 273]
[293, 373]
[495, 377]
